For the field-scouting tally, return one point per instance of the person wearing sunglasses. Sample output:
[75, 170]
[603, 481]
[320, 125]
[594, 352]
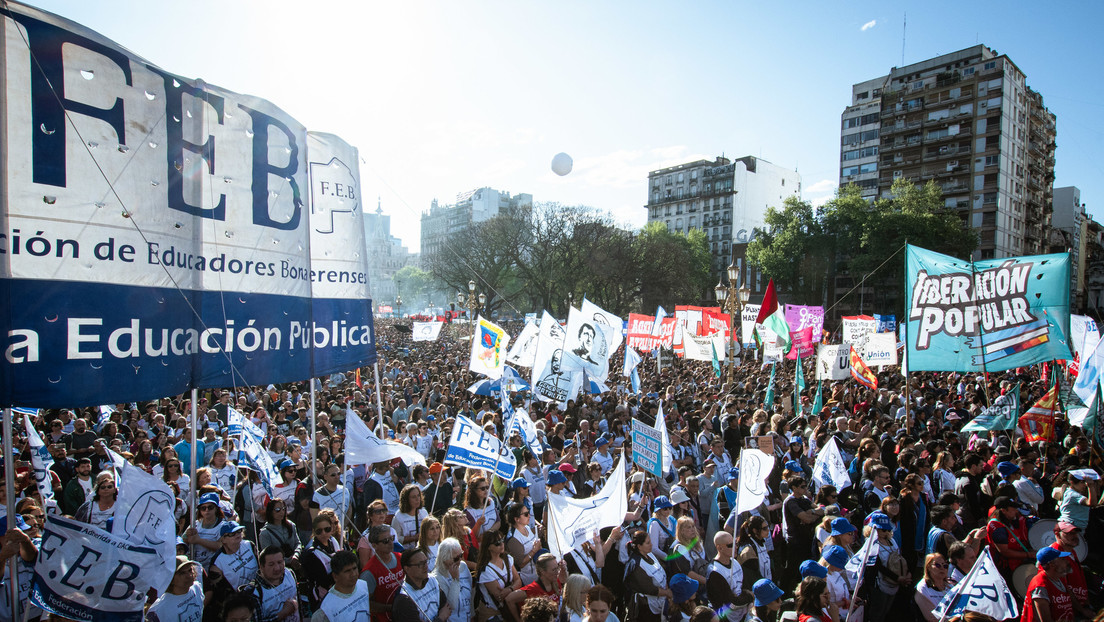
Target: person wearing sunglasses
[384, 573]
[455, 579]
[237, 559]
[100, 507]
[725, 582]
[931, 589]
[420, 596]
[315, 561]
[206, 534]
[522, 542]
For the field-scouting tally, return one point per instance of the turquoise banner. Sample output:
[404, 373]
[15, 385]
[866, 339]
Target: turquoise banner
[987, 315]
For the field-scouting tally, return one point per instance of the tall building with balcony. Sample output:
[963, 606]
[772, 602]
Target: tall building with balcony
[474, 206]
[727, 199]
[1069, 232]
[969, 121]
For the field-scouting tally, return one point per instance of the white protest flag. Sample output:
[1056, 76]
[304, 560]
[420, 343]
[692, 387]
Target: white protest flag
[571, 522]
[611, 324]
[632, 360]
[488, 349]
[41, 460]
[362, 446]
[829, 469]
[865, 557]
[983, 590]
[664, 441]
[551, 382]
[426, 331]
[255, 457]
[755, 467]
[833, 361]
[586, 346]
[658, 322]
[524, 351]
[472, 446]
[105, 415]
[1089, 377]
[145, 516]
[85, 573]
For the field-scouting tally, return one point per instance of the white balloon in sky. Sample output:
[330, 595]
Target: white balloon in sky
[561, 164]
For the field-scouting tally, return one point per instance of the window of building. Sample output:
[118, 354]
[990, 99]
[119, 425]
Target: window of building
[863, 95]
[680, 178]
[990, 65]
[678, 224]
[694, 174]
[992, 160]
[678, 192]
[692, 222]
[969, 71]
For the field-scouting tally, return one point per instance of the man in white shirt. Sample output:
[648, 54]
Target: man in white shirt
[349, 597]
[332, 495]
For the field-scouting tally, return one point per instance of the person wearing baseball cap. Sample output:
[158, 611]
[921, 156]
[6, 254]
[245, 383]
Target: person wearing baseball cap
[661, 526]
[183, 600]
[1048, 599]
[238, 557]
[1081, 495]
[1067, 538]
[1006, 532]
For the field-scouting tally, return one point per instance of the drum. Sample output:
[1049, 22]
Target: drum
[1041, 535]
[1021, 577]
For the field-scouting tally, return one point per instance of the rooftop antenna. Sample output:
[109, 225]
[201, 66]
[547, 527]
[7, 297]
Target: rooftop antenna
[904, 31]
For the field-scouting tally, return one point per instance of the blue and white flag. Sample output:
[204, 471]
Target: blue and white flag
[86, 573]
[632, 360]
[255, 457]
[145, 516]
[105, 415]
[657, 323]
[473, 447]
[238, 423]
[867, 556]
[41, 460]
[829, 469]
[665, 441]
[983, 590]
[523, 423]
[508, 411]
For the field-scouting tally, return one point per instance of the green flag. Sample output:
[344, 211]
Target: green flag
[1002, 415]
[716, 363]
[799, 376]
[818, 401]
[768, 399]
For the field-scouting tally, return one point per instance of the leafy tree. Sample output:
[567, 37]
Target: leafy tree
[412, 283]
[794, 249]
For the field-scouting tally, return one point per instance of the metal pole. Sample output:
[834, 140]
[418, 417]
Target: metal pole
[313, 439]
[379, 401]
[195, 497]
[9, 482]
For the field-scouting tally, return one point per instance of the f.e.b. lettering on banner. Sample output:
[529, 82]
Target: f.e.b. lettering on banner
[162, 233]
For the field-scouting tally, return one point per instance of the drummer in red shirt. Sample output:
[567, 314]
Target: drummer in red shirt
[1068, 538]
[1006, 534]
[1048, 597]
[549, 584]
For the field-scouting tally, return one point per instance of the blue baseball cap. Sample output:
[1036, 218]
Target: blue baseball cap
[556, 477]
[208, 497]
[519, 483]
[230, 527]
[683, 588]
[20, 524]
[1049, 554]
[810, 568]
[733, 473]
[663, 503]
[766, 592]
[841, 526]
[601, 441]
[793, 465]
[836, 555]
[286, 463]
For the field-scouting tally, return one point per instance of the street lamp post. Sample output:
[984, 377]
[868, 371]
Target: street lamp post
[398, 305]
[473, 303]
[733, 298]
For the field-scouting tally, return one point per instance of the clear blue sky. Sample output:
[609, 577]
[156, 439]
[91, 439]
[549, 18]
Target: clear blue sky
[443, 97]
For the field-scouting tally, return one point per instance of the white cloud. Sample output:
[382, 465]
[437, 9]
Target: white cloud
[821, 192]
[869, 25]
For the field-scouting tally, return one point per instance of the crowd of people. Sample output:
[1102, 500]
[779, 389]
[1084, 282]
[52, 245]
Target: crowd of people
[337, 542]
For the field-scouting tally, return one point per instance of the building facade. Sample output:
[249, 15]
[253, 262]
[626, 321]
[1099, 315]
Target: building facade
[1069, 232]
[474, 206]
[969, 121]
[386, 255]
[727, 199]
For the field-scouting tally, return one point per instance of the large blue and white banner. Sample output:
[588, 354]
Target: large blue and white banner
[85, 573]
[473, 447]
[987, 315]
[162, 233]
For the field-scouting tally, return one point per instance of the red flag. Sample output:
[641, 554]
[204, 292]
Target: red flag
[1038, 422]
[359, 382]
[861, 372]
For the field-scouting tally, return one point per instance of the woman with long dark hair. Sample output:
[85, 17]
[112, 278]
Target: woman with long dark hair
[279, 530]
[646, 580]
[496, 576]
[101, 506]
[813, 602]
[752, 548]
[522, 542]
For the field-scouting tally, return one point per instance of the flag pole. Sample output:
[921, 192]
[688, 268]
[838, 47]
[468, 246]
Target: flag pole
[313, 437]
[9, 482]
[192, 457]
[379, 400]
